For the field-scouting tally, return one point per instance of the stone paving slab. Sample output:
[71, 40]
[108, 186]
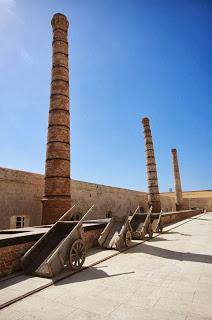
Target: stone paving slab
[168, 277]
[15, 287]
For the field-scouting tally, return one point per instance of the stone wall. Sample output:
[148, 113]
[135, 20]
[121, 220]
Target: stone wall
[10, 257]
[194, 199]
[12, 249]
[167, 203]
[11, 253]
[21, 193]
[172, 217]
[106, 199]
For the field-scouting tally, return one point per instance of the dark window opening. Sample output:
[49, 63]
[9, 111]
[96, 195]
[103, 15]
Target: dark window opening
[19, 222]
[108, 214]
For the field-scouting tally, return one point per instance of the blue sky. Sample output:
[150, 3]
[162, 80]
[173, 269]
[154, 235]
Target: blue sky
[128, 59]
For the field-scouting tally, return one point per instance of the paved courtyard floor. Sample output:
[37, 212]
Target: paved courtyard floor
[168, 277]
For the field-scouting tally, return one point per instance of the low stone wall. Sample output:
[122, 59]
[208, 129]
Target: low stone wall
[10, 257]
[11, 252]
[91, 238]
[12, 249]
[172, 217]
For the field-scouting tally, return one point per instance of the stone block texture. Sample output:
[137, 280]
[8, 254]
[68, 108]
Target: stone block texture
[21, 193]
[10, 257]
[57, 193]
[152, 180]
[177, 182]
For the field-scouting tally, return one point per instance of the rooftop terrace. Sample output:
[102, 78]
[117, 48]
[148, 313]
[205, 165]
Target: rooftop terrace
[167, 277]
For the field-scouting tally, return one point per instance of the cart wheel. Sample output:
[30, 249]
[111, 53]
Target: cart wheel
[150, 231]
[77, 254]
[128, 239]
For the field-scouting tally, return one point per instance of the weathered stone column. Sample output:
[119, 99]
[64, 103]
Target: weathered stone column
[152, 180]
[57, 196]
[177, 183]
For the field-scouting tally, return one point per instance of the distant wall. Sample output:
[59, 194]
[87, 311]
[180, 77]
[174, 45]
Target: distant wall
[194, 199]
[21, 193]
[167, 203]
[106, 199]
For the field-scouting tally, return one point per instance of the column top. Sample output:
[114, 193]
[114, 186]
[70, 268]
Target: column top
[59, 20]
[145, 121]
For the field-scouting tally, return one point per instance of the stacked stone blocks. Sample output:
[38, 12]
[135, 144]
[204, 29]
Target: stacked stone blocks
[177, 182]
[57, 193]
[152, 180]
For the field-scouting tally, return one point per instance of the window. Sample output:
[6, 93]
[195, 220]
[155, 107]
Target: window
[108, 214]
[19, 222]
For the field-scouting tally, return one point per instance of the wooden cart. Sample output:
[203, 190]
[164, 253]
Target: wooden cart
[117, 233]
[62, 246]
[141, 225]
[157, 224]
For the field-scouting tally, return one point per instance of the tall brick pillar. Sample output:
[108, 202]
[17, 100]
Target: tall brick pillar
[177, 182]
[152, 180]
[57, 195]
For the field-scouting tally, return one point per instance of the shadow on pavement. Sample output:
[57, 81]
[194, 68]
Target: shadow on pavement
[204, 219]
[175, 232]
[170, 254]
[158, 239]
[10, 282]
[89, 274]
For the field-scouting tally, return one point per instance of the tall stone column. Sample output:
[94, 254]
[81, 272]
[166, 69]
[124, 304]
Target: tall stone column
[152, 180]
[57, 195]
[177, 182]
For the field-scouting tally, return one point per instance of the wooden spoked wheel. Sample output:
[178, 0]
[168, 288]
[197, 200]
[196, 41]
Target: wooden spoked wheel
[77, 254]
[128, 239]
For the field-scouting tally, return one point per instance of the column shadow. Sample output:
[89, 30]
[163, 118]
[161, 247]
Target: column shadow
[89, 274]
[171, 254]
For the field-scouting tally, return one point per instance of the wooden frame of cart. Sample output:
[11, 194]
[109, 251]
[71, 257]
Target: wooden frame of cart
[62, 246]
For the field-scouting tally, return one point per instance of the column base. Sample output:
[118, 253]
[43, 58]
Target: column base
[156, 206]
[179, 207]
[53, 209]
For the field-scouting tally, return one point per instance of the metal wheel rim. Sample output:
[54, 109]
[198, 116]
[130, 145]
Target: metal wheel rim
[77, 254]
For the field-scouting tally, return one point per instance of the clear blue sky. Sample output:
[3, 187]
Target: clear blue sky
[128, 59]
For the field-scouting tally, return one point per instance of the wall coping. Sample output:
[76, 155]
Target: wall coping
[31, 234]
